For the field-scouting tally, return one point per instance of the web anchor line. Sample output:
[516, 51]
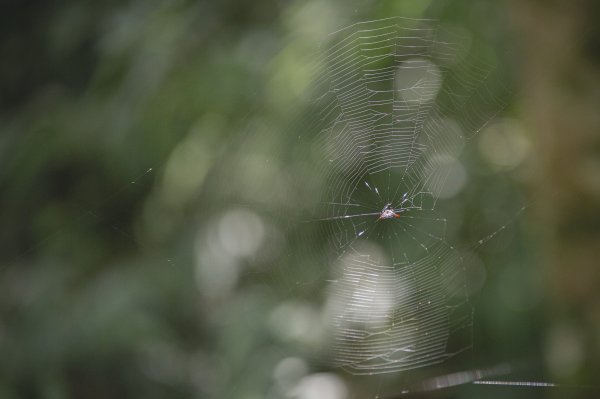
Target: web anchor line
[480, 377]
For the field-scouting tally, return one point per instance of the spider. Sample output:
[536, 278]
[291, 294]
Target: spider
[388, 213]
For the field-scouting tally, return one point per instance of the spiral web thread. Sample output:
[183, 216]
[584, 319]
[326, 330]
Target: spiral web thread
[397, 100]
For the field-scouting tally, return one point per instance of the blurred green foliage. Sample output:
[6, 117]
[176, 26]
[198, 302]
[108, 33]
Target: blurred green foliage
[131, 130]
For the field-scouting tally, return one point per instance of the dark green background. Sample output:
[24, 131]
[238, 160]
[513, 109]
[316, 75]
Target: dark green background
[128, 129]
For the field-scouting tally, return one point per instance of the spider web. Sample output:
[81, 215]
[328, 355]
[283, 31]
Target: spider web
[397, 100]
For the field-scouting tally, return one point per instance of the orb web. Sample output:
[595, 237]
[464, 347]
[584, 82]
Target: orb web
[397, 99]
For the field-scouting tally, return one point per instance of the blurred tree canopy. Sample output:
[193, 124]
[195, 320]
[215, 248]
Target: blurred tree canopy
[134, 133]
